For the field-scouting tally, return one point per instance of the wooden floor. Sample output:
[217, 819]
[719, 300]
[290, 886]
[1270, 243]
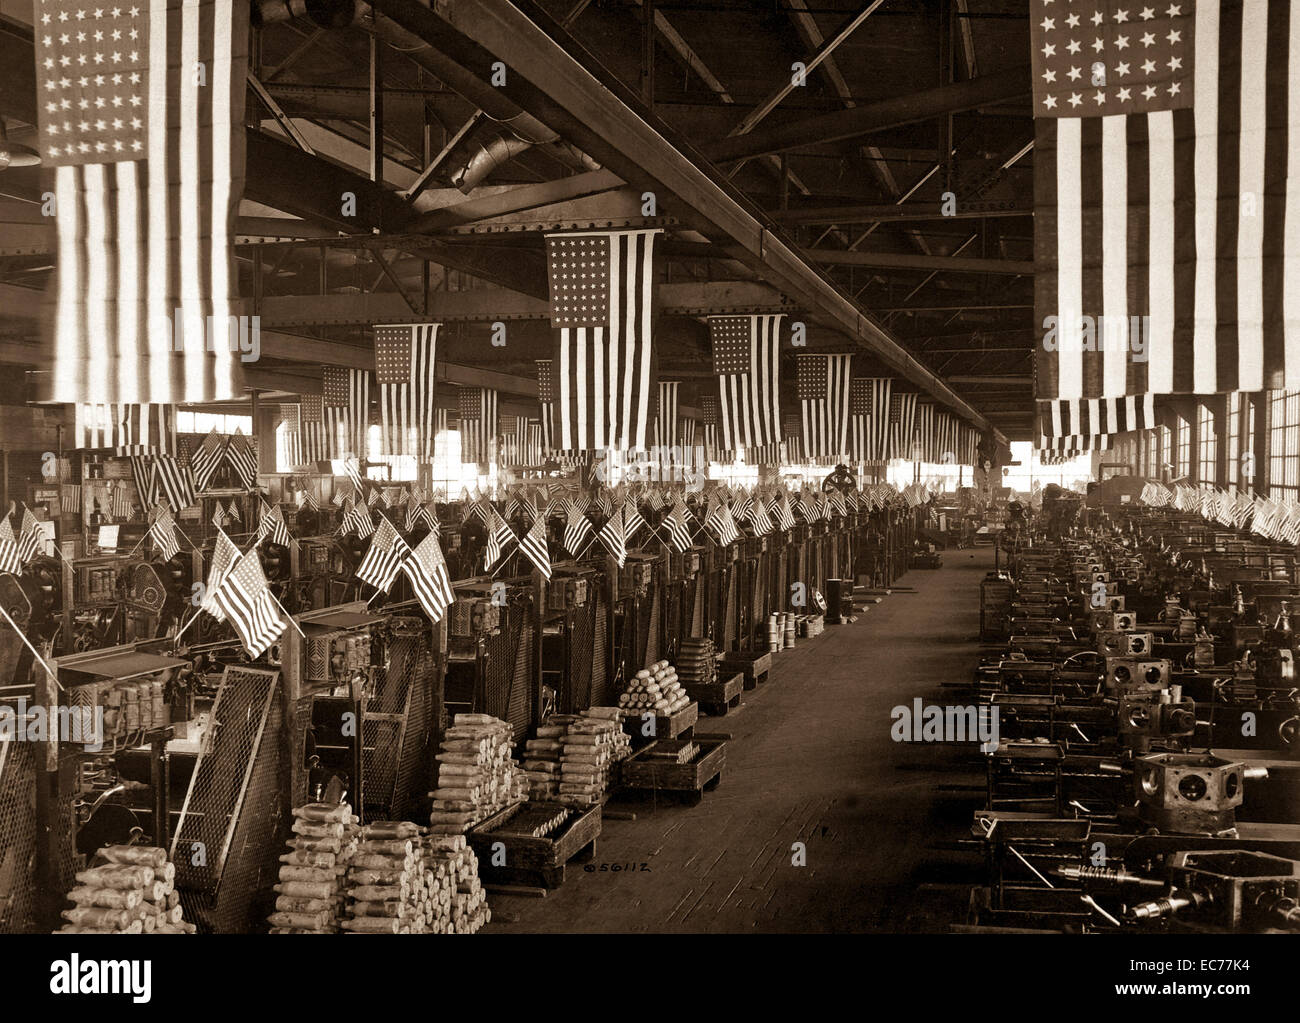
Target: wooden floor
[811, 762]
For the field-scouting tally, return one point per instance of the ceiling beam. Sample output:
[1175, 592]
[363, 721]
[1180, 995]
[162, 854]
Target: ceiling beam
[916, 261]
[867, 214]
[1012, 83]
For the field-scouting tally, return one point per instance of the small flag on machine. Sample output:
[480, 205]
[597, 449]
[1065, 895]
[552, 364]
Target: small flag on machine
[384, 558]
[534, 545]
[426, 568]
[162, 532]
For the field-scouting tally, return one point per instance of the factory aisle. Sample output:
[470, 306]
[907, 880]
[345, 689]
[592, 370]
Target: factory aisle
[812, 762]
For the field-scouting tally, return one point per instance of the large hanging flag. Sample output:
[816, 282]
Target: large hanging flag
[823, 386]
[345, 396]
[710, 414]
[404, 365]
[1165, 224]
[384, 558]
[746, 360]
[924, 448]
[602, 288]
[129, 429]
[665, 430]
[869, 409]
[902, 424]
[291, 421]
[315, 442]
[546, 399]
[426, 569]
[946, 437]
[478, 424]
[1090, 416]
[148, 161]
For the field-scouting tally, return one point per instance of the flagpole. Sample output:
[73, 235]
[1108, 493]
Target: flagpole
[27, 643]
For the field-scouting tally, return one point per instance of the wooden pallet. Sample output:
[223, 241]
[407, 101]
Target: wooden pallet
[679, 724]
[645, 774]
[717, 698]
[530, 860]
[756, 667]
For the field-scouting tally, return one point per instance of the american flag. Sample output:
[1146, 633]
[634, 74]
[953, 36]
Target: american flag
[665, 431]
[404, 373]
[418, 514]
[747, 359]
[245, 601]
[315, 442]
[426, 569]
[30, 537]
[478, 424]
[946, 437]
[291, 420]
[869, 423]
[1161, 190]
[534, 546]
[120, 505]
[129, 429]
[902, 423]
[679, 530]
[219, 516]
[602, 288]
[925, 447]
[243, 459]
[148, 173]
[173, 482]
[70, 498]
[384, 558]
[206, 459]
[1075, 445]
[345, 397]
[632, 520]
[10, 562]
[759, 519]
[357, 520]
[794, 446]
[233, 511]
[784, 512]
[718, 519]
[162, 531]
[1088, 416]
[352, 469]
[710, 414]
[546, 400]
[613, 538]
[273, 527]
[577, 529]
[225, 555]
[499, 534]
[823, 387]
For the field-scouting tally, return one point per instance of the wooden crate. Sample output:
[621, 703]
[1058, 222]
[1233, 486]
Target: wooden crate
[671, 727]
[530, 859]
[642, 771]
[717, 697]
[754, 666]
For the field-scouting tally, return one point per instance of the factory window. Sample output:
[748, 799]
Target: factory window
[1153, 454]
[1207, 442]
[203, 422]
[1248, 456]
[1284, 444]
[1233, 453]
[1166, 451]
[1183, 463]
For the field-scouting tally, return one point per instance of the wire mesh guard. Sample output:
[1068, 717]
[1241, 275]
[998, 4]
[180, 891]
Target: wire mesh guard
[508, 686]
[17, 837]
[227, 838]
[397, 725]
[600, 695]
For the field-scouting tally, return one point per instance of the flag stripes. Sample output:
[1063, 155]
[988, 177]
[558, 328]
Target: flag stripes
[1097, 415]
[404, 374]
[746, 358]
[824, 385]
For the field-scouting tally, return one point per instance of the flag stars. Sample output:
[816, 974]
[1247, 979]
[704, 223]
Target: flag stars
[1175, 10]
[1100, 97]
[1075, 99]
[1049, 102]
[1148, 40]
[1147, 13]
[1121, 16]
[1149, 92]
[1098, 44]
[1048, 24]
[1175, 63]
[1072, 21]
[1174, 88]
[1174, 36]
[1122, 69]
[1098, 18]
[1121, 42]
[1049, 50]
[1149, 67]
[1073, 46]
[1049, 75]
